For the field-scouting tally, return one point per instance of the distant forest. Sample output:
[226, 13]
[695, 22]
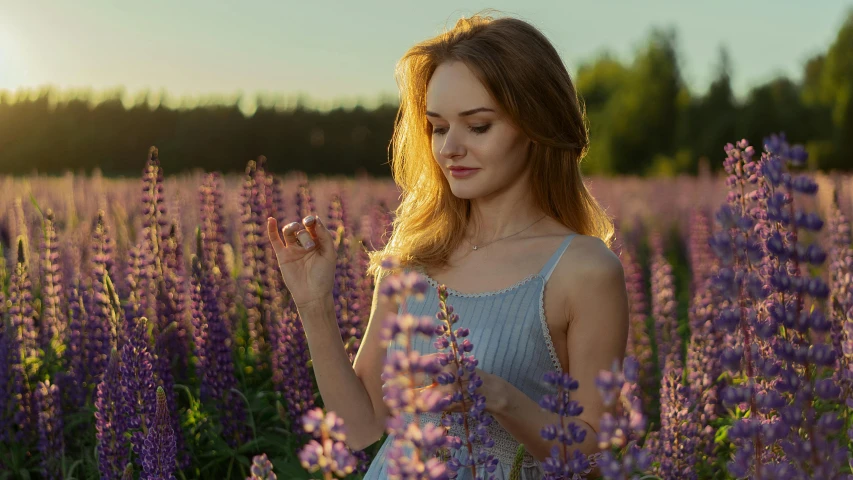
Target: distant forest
[643, 121]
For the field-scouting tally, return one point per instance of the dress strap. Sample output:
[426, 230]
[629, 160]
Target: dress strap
[552, 262]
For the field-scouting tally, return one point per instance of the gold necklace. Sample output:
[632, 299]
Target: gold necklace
[476, 247]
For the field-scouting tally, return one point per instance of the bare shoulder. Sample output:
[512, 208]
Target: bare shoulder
[589, 273]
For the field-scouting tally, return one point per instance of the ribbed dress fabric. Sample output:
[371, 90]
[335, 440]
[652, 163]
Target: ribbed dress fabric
[510, 339]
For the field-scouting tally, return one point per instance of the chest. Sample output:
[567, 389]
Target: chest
[499, 280]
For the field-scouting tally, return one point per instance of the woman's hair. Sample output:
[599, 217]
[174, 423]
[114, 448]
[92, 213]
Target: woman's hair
[525, 75]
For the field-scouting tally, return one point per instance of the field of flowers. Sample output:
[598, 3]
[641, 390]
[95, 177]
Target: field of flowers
[147, 333]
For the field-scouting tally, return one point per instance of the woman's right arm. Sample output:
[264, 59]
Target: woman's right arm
[353, 392]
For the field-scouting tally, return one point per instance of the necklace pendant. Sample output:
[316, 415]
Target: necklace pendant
[475, 247]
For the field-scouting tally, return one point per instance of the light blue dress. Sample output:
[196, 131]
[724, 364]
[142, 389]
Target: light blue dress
[511, 339]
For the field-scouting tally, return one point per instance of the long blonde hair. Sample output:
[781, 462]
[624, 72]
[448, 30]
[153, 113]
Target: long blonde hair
[525, 75]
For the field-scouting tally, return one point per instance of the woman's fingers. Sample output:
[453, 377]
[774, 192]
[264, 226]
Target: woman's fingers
[305, 239]
[289, 232]
[275, 238]
[310, 223]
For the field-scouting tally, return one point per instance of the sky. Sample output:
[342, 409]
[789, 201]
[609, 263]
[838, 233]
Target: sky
[343, 52]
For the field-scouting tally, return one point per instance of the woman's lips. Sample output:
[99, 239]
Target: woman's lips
[464, 173]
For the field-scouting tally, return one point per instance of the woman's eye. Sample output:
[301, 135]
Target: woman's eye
[477, 130]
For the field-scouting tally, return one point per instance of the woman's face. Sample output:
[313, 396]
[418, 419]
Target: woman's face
[463, 135]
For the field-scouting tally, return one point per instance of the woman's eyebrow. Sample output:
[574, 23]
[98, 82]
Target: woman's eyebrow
[465, 113]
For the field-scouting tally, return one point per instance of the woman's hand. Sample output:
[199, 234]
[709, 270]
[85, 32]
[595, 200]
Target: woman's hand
[306, 258]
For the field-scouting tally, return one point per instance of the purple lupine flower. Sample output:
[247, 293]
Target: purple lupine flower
[679, 427]
[158, 451]
[138, 380]
[253, 202]
[701, 257]
[53, 325]
[212, 224]
[304, 201]
[140, 282]
[564, 462]
[171, 343]
[345, 289]
[213, 349]
[328, 453]
[740, 291]
[153, 206]
[22, 348]
[97, 325]
[74, 381]
[840, 267]
[261, 468]
[620, 387]
[664, 306]
[639, 343]
[6, 403]
[805, 352]
[703, 366]
[51, 443]
[291, 365]
[6, 388]
[411, 453]
[473, 418]
[110, 424]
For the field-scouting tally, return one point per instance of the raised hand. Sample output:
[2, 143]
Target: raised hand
[306, 258]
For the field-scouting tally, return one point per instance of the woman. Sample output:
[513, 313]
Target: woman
[486, 150]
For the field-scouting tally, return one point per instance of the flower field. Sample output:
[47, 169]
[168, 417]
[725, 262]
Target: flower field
[147, 332]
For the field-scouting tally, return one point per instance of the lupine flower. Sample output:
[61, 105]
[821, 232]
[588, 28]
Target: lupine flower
[138, 381]
[639, 343]
[304, 201]
[740, 291]
[213, 349]
[22, 344]
[171, 343]
[261, 468]
[252, 202]
[110, 424]
[679, 427]
[565, 462]
[619, 387]
[97, 324]
[51, 443]
[411, 452]
[780, 335]
[473, 418]
[158, 451]
[291, 366]
[664, 306]
[345, 289]
[700, 255]
[53, 323]
[6, 396]
[73, 382]
[328, 453]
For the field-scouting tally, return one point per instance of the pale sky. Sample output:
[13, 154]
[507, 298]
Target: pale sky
[342, 51]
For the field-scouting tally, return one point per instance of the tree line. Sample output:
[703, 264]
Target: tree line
[643, 120]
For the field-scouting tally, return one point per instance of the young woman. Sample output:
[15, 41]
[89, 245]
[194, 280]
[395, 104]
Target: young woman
[486, 150]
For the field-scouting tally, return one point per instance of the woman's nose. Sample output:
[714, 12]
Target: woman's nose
[452, 147]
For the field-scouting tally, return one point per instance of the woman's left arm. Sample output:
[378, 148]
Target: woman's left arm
[597, 333]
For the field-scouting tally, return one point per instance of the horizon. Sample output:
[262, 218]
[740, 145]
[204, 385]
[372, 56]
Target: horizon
[248, 51]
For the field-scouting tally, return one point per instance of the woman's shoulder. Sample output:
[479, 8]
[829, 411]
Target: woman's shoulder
[588, 257]
[590, 253]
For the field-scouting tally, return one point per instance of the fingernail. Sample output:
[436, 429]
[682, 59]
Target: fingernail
[309, 244]
[309, 219]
